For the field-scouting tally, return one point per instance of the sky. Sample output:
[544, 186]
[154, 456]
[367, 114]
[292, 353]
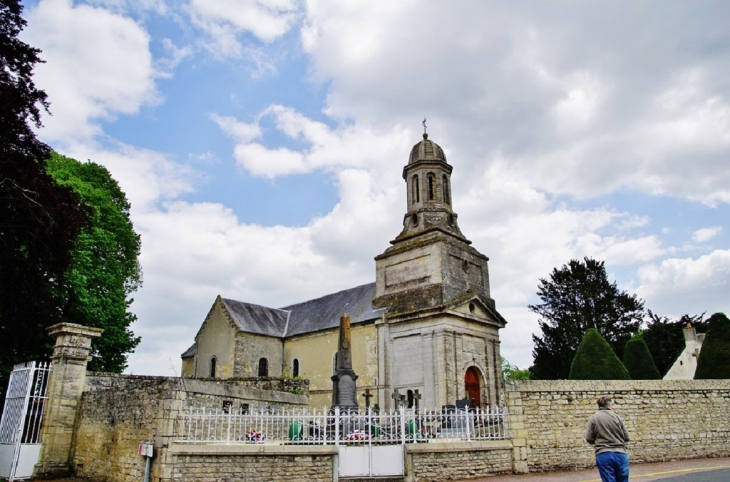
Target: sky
[261, 143]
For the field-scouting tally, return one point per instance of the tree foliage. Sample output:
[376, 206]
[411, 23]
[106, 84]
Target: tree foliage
[596, 360]
[714, 358]
[39, 220]
[512, 372]
[665, 338]
[105, 263]
[20, 100]
[638, 360]
[576, 297]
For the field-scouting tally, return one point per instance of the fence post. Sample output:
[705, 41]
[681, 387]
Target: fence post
[467, 420]
[65, 386]
[228, 434]
[337, 426]
[402, 424]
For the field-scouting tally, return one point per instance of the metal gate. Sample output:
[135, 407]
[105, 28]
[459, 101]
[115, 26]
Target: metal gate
[370, 460]
[370, 445]
[20, 426]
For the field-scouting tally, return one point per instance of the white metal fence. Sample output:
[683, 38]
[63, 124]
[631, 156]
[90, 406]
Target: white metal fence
[20, 426]
[335, 427]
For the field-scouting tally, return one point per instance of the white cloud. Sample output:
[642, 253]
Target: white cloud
[176, 55]
[225, 20]
[705, 234]
[241, 132]
[325, 148]
[687, 285]
[157, 6]
[98, 66]
[581, 102]
[631, 222]
[147, 177]
[579, 110]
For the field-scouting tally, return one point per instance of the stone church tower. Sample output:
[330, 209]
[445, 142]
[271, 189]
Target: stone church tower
[439, 332]
[426, 328]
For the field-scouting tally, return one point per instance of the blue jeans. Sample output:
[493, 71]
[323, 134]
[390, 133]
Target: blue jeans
[613, 466]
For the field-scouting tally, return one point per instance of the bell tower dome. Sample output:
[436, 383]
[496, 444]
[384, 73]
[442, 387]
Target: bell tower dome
[428, 180]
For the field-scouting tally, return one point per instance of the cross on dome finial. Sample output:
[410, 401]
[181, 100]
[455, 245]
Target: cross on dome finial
[425, 135]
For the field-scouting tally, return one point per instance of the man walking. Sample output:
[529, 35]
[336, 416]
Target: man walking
[606, 431]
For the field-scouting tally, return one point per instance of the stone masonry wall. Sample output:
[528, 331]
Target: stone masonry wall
[118, 412]
[666, 420]
[438, 462]
[215, 463]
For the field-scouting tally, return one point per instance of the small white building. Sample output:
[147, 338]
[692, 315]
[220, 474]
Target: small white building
[684, 367]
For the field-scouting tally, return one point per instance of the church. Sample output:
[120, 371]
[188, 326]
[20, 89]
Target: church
[427, 328]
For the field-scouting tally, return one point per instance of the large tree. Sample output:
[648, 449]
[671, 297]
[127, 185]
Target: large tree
[596, 360]
[638, 360]
[39, 219]
[714, 357]
[576, 297]
[105, 263]
[665, 338]
[512, 372]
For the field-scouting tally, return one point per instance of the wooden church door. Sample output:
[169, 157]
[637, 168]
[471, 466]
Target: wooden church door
[472, 386]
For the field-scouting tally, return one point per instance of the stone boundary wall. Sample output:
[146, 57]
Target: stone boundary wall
[427, 462]
[118, 412]
[443, 461]
[270, 463]
[666, 419]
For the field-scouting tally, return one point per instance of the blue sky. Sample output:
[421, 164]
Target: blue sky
[261, 143]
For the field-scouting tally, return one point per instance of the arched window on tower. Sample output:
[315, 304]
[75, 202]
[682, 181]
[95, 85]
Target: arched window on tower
[447, 195]
[431, 182]
[416, 194]
[295, 368]
[334, 363]
[263, 367]
[212, 367]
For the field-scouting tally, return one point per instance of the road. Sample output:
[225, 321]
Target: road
[694, 470]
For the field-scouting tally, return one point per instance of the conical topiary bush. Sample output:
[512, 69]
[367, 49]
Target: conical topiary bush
[714, 358]
[638, 361]
[595, 360]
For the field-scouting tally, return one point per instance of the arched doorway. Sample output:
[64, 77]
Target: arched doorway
[472, 385]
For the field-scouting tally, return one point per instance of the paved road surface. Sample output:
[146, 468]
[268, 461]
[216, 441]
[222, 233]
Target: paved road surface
[695, 470]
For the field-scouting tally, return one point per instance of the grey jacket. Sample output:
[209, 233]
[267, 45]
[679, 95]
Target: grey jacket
[606, 431]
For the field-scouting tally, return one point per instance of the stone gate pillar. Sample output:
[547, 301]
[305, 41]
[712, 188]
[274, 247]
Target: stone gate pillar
[65, 387]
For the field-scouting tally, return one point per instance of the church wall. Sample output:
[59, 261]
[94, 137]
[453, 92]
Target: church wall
[188, 367]
[414, 266]
[252, 348]
[316, 351]
[463, 271]
[213, 340]
[433, 354]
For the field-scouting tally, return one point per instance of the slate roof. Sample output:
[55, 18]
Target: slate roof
[306, 317]
[324, 313]
[189, 352]
[257, 319]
